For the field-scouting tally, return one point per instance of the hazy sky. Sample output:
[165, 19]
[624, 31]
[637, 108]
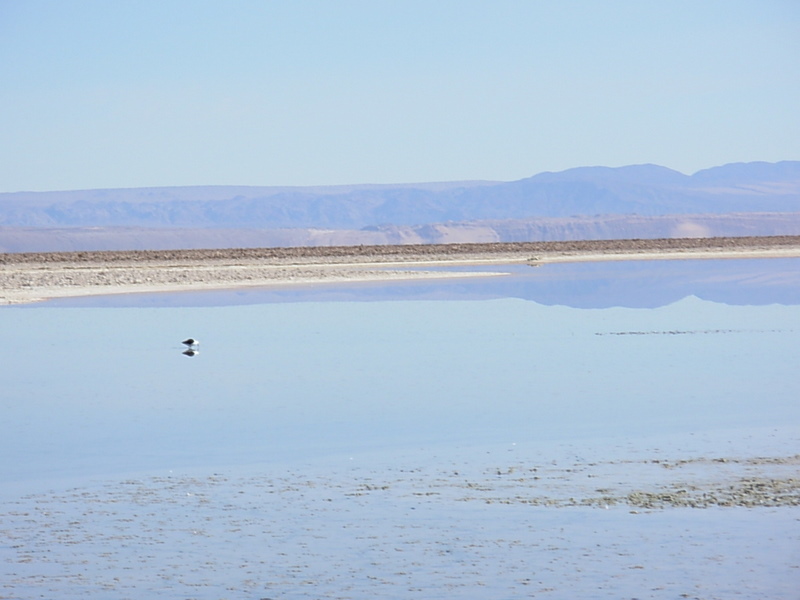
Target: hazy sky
[131, 93]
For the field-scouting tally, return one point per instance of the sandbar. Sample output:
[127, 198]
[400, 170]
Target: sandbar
[32, 277]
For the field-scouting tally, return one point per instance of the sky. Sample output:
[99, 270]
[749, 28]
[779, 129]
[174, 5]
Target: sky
[141, 93]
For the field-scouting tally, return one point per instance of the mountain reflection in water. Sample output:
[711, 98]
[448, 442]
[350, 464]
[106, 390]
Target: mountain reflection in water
[630, 284]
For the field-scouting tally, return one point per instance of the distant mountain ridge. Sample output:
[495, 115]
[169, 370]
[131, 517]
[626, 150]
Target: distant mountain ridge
[587, 197]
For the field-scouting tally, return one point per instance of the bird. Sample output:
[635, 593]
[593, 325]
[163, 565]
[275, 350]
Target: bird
[190, 352]
[191, 343]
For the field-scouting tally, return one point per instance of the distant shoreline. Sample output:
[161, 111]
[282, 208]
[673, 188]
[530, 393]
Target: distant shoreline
[31, 277]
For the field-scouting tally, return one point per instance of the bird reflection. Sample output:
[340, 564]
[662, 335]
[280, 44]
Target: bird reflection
[192, 347]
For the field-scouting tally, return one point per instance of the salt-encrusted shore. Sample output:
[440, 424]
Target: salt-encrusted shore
[31, 277]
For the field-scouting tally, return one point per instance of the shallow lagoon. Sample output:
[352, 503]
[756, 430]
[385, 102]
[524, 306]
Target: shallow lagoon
[264, 442]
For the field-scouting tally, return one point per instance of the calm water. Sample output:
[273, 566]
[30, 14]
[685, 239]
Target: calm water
[98, 387]
[383, 441]
[631, 284]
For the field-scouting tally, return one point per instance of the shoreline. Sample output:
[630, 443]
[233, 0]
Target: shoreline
[31, 277]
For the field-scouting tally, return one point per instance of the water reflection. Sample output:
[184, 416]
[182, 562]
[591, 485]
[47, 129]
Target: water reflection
[284, 376]
[304, 379]
[192, 347]
[303, 417]
[632, 284]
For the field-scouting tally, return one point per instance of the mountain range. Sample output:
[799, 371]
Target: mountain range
[583, 203]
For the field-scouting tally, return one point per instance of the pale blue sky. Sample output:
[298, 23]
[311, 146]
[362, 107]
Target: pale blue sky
[132, 93]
